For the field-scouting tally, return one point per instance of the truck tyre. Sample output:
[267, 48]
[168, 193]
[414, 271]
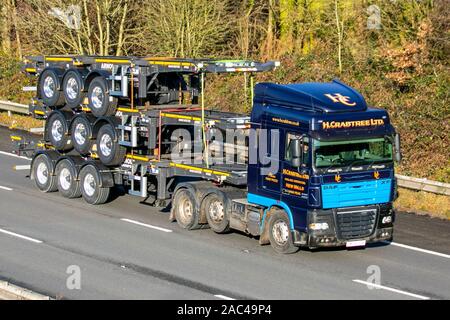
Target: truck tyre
[90, 186]
[41, 172]
[185, 209]
[72, 85]
[58, 132]
[215, 209]
[280, 234]
[66, 175]
[100, 102]
[108, 148]
[81, 130]
[48, 89]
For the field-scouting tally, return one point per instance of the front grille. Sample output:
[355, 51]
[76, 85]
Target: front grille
[355, 224]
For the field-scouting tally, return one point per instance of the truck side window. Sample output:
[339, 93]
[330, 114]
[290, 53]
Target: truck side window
[304, 145]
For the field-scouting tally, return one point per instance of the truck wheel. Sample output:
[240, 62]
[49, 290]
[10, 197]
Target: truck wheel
[90, 186]
[66, 176]
[100, 102]
[280, 234]
[184, 209]
[57, 132]
[48, 89]
[41, 173]
[72, 89]
[215, 209]
[81, 135]
[109, 150]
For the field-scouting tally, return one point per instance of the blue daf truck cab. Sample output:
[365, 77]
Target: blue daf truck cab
[328, 169]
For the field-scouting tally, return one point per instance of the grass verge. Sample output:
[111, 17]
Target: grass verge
[19, 121]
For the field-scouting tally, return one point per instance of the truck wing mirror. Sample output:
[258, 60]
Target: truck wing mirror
[295, 147]
[397, 148]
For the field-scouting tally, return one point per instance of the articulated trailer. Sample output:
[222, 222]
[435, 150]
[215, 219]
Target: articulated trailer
[311, 166]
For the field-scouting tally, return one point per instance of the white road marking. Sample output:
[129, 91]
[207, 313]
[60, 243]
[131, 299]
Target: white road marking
[20, 236]
[24, 167]
[419, 249]
[377, 286]
[223, 297]
[146, 225]
[5, 188]
[14, 155]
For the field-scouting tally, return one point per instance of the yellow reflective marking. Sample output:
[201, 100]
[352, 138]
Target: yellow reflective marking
[127, 110]
[140, 158]
[16, 138]
[112, 60]
[177, 116]
[39, 112]
[57, 59]
[183, 166]
[30, 69]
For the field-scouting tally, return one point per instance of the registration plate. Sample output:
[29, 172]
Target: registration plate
[356, 243]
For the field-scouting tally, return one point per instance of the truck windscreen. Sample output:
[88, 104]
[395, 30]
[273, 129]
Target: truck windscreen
[351, 152]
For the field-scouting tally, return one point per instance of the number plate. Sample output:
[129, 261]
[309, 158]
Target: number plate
[357, 243]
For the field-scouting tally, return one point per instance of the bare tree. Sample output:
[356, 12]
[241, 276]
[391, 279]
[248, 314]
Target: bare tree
[186, 28]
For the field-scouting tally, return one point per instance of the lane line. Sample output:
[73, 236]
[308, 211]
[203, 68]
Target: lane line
[23, 167]
[223, 297]
[6, 188]
[146, 225]
[377, 286]
[418, 249]
[20, 236]
[14, 155]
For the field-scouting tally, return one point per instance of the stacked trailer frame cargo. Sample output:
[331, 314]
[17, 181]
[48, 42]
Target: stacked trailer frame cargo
[145, 169]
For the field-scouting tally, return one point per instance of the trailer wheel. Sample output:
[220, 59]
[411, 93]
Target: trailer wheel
[280, 234]
[48, 89]
[41, 172]
[90, 186]
[81, 130]
[66, 176]
[108, 148]
[100, 102]
[184, 209]
[57, 131]
[72, 89]
[215, 208]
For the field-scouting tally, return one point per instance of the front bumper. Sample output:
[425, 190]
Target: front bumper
[348, 224]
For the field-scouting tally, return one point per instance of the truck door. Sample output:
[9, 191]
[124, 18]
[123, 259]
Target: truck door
[269, 157]
[295, 172]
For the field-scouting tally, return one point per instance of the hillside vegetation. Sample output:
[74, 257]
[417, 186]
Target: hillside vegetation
[396, 52]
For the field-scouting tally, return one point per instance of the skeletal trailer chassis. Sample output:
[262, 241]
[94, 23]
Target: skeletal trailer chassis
[140, 124]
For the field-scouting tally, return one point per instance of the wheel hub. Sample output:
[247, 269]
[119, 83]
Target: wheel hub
[216, 211]
[280, 232]
[57, 130]
[42, 173]
[49, 87]
[186, 209]
[97, 97]
[65, 179]
[72, 88]
[80, 134]
[106, 145]
[89, 184]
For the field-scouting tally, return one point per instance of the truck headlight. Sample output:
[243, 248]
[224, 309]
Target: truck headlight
[387, 219]
[319, 226]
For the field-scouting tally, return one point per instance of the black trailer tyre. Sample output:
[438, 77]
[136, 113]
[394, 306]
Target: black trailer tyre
[280, 234]
[90, 186]
[48, 89]
[215, 209]
[66, 175]
[81, 130]
[57, 131]
[41, 173]
[108, 148]
[72, 85]
[184, 209]
[100, 102]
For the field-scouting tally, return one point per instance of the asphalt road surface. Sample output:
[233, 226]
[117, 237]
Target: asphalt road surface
[127, 250]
